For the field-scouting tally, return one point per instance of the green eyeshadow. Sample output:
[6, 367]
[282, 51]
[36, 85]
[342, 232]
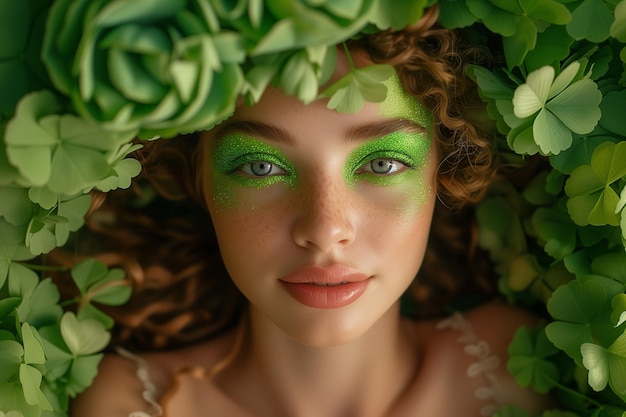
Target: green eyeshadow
[401, 105]
[411, 149]
[231, 152]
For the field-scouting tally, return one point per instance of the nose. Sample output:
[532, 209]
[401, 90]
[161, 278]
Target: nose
[326, 215]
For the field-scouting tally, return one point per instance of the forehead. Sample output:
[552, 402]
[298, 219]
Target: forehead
[289, 113]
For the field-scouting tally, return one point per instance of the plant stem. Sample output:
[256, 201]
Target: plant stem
[347, 51]
[576, 393]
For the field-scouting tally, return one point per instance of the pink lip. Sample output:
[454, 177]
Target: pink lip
[326, 287]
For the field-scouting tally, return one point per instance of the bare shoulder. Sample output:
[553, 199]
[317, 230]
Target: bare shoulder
[115, 392]
[118, 377]
[496, 324]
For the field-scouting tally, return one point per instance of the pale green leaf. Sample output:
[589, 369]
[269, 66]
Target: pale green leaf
[33, 349]
[83, 337]
[564, 79]
[530, 97]
[578, 106]
[550, 134]
[595, 359]
[618, 28]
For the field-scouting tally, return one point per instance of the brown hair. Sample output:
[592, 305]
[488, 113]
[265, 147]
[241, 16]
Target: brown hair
[167, 246]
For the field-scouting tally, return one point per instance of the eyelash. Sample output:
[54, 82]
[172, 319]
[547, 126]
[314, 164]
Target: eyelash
[246, 161]
[394, 157]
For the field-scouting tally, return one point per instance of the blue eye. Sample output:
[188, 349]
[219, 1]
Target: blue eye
[262, 169]
[383, 166]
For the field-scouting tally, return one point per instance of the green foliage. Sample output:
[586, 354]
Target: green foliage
[48, 355]
[80, 79]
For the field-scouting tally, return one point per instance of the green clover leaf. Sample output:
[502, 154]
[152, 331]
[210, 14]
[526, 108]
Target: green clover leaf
[12, 400]
[528, 359]
[517, 22]
[592, 197]
[30, 378]
[99, 284]
[562, 107]
[621, 204]
[618, 28]
[619, 309]
[11, 353]
[455, 14]
[398, 16]
[557, 230]
[66, 153]
[577, 308]
[83, 337]
[16, 207]
[300, 23]
[10, 268]
[591, 20]
[612, 106]
[73, 211]
[606, 365]
[82, 373]
[349, 94]
[40, 306]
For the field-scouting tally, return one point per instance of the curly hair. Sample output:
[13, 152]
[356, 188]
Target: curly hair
[168, 248]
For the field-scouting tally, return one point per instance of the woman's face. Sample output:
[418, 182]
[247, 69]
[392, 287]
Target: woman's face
[322, 218]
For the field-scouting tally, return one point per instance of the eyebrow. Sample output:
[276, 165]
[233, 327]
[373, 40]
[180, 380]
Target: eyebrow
[355, 134]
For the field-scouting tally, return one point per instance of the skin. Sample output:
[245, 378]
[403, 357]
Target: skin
[322, 203]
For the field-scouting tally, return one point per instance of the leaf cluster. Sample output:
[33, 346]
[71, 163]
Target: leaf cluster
[554, 225]
[48, 354]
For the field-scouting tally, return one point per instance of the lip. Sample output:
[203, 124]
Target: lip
[326, 287]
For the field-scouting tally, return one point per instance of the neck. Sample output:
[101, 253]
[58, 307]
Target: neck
[363, 377]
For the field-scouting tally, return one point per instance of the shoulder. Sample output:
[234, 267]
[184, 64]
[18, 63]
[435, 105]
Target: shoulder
[116, 391]
[119, 377]
[469, 353]
[496, 325]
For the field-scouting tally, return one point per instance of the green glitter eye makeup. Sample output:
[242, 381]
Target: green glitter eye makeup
[250, 162]
[388, 160]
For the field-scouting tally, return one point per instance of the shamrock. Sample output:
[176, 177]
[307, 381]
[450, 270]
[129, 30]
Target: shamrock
[562, 106]
[529, 352]
[606, 365]
[592, 199]
[349, 94]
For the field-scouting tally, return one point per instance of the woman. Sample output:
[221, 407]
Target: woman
[323, 221]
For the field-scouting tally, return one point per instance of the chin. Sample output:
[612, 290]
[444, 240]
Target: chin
[329, 328]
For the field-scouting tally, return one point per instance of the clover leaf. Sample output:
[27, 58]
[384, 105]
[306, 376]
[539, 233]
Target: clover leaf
[82, 373]
[41, 305]
[606, 365]
[618, 28]
[592, 197]
[557, 230]
[64, 152]
[619, 309]
[517, 22]
[455, 14]
[349, 94]
[591, 20]
[99, 284]
[10, 268]
[83, 337]
[73, 211]
[528, 359]
[577, 308]
[11, 353]
[16, 207]
[561, 106]
[612, 106]
[399, 16]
